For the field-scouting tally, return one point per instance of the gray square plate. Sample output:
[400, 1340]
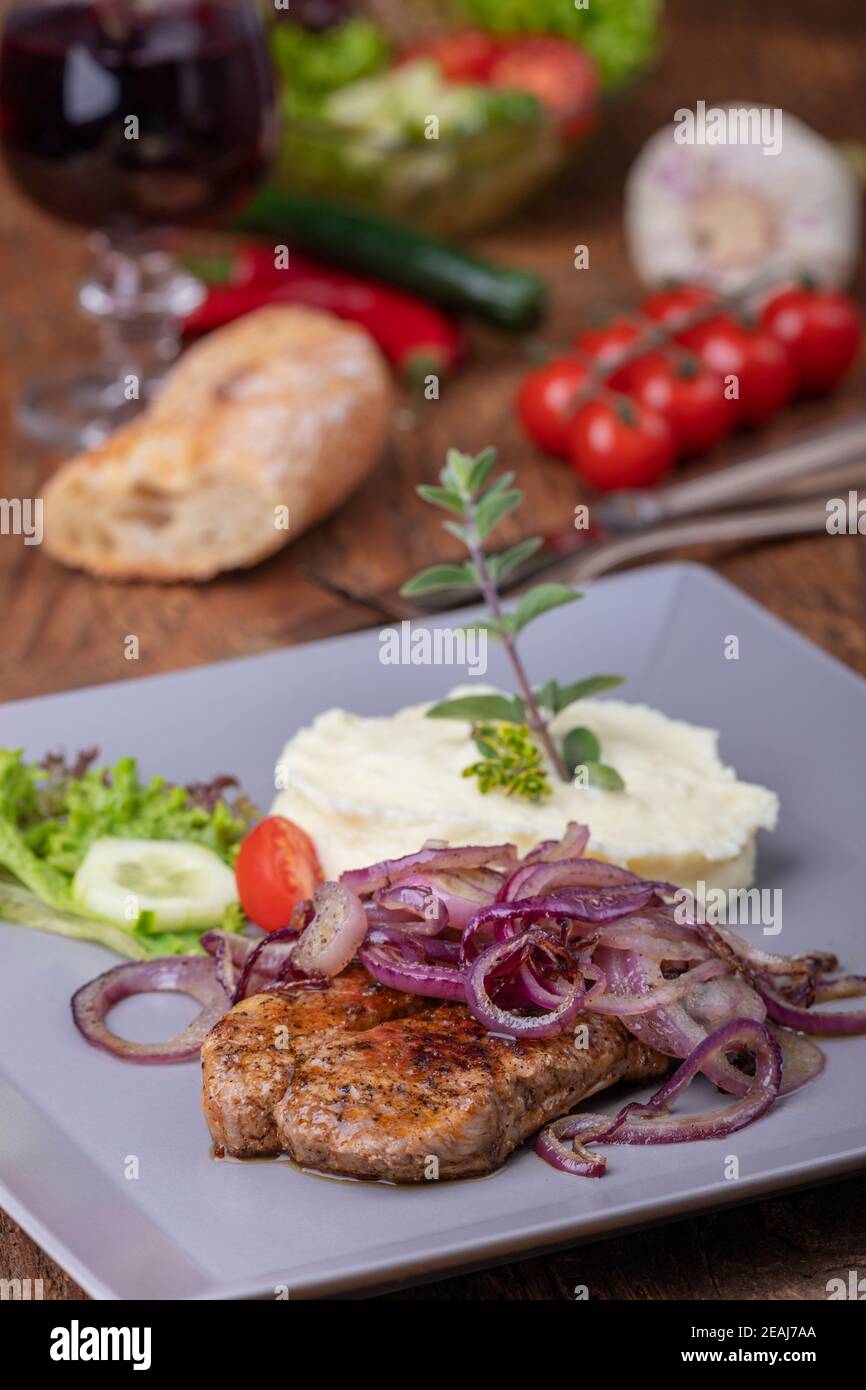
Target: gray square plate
[191, 1227]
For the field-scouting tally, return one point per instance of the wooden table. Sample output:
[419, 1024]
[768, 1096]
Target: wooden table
[61, 629]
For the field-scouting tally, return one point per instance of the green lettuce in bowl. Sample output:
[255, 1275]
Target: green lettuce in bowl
[621, 36]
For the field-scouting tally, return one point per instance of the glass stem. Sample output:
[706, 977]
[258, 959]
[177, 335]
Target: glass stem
[139, 296]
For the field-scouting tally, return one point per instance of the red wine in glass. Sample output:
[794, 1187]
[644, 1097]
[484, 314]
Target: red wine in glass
[132, 117]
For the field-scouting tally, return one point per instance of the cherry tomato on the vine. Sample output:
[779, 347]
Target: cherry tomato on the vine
[686, 394]
[545, 402]
[607, 344]
[821, 330]
[277, 868]
[762, 366]
[619, 443]
[671, 307]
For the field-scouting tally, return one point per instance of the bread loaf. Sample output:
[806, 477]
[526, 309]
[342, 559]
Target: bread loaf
[260, 430]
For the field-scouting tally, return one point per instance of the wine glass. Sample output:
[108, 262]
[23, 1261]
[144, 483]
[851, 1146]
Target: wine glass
[131, 118]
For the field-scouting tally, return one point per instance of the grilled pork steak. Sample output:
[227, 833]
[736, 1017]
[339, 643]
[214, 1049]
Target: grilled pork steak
[248, 1056]
[439, 1085]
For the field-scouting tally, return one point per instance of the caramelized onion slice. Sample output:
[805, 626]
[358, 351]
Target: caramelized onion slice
[653, 1123]
[192, 975]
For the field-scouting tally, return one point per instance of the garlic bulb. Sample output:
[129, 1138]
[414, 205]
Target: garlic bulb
[775, 200]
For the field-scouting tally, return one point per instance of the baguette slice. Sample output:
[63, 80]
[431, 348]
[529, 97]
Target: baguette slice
[261, 430]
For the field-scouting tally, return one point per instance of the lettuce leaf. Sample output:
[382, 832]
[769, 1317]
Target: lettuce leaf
[19, 905]
[50, 814]
[312, 64]
[620, 35]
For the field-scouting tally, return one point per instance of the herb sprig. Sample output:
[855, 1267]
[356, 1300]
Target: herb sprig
[463, 491]
[510, 762]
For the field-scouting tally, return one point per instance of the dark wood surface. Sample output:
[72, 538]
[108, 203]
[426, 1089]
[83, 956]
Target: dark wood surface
[62, 630]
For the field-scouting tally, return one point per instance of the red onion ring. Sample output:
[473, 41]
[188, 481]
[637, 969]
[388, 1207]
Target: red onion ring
[829, 1025]
[802, 1061]
[431, 859]
[657, 940]
[415, 946]
[431, 911]
[193, 975]
[500, 1020]
[659, 996]
[460, 895]
[652, 1122]
[572, 844]
[671, 1030]
[845, 987]
[436, 981]
[530, 879]
[252, 961]
[757, 964]
[577, 908]
[334, 933]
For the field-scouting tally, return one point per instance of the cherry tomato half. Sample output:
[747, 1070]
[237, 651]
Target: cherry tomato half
[276, 869]
[763, 367]
[607, 345]
[621, 444]
[464, 55]
[670, 307]
[545, 403]
[821, 330]
[562, 76]
[686, 394]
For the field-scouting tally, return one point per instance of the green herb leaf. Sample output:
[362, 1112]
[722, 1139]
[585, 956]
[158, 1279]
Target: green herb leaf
[508, 710]
[540, 600]
[580, 690]
[442, 497]
[484, 625]
[493, 509]
[457, 470]
[600, 775]
[438, 577]
[461, 532]
[482, 467]
[502, 482]
[546, 694]
[509, 560]
[580, 746]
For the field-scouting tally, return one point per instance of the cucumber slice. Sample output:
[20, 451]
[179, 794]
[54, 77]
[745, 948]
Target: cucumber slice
[181, 884]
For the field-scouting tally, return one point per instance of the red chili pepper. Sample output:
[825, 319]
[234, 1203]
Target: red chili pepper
[416, 337]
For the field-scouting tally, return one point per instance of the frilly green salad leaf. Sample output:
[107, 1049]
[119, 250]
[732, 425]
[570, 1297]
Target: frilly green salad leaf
[316, 63]
[51, 813]
[620, 35]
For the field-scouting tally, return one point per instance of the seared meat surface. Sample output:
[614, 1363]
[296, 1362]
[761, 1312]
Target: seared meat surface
[248, 1056]
[437, 1095]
